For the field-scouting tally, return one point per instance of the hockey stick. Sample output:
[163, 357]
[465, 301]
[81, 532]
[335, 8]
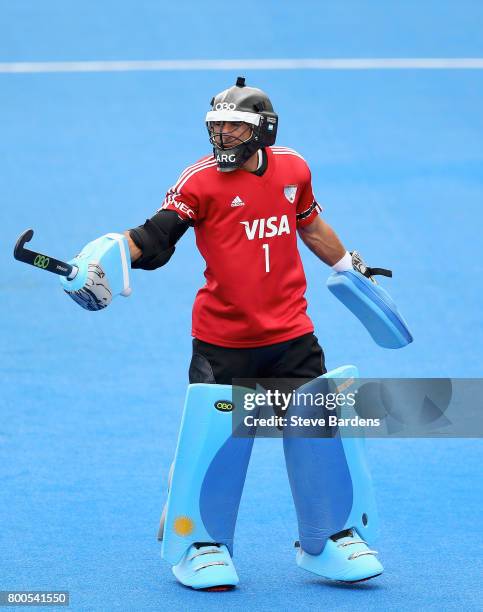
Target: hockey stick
[41, 261]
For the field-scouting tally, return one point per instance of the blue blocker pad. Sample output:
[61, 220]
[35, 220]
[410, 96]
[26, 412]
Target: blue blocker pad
[329, 477]
[373, 306]
[209, 472]
[111, 253]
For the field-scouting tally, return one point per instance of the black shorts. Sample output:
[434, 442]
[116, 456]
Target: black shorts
[301, 357]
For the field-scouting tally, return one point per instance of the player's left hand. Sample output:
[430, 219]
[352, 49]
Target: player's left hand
[360, 266]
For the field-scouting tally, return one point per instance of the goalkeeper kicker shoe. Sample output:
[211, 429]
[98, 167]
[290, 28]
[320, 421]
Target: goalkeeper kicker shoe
[345, 558]
[207, 566]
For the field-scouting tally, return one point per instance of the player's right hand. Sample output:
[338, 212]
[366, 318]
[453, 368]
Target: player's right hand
[103, 272]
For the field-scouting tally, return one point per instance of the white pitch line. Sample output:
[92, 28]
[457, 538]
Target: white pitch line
[421, 63]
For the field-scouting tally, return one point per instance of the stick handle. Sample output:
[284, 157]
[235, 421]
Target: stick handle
[44, 262]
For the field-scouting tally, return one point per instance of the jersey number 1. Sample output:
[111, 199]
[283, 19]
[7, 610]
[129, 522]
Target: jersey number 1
[267, 257]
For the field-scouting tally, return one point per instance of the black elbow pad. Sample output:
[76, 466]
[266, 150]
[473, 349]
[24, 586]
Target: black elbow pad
[156, 239]
[151, 263]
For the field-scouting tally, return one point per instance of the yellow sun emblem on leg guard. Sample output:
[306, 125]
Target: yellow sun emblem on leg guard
[183, 525]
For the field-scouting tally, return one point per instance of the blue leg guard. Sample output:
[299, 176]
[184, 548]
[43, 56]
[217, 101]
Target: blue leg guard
[332, 492]
[373, 306]
[207, 481]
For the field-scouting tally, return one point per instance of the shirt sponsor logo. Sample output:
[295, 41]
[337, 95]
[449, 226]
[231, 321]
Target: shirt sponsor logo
[266, 228]
[183, 208]
[290, 191]
[237, 201]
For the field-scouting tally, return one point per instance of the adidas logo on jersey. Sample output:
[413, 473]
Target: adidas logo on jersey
[237, 201]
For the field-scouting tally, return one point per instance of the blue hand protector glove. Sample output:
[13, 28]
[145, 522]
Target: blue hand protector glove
[103, 272]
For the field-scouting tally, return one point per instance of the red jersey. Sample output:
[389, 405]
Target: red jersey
[245, 228]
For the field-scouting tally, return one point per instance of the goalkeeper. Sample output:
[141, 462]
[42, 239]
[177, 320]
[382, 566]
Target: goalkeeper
[247, 202]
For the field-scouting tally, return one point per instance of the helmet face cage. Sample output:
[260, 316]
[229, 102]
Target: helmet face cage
[224, 139]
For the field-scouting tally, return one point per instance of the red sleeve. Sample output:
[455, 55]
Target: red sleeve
[182, 199]
[186, 209]
[307, 207]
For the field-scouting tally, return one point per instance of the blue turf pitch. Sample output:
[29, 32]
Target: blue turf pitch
[91, 402]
